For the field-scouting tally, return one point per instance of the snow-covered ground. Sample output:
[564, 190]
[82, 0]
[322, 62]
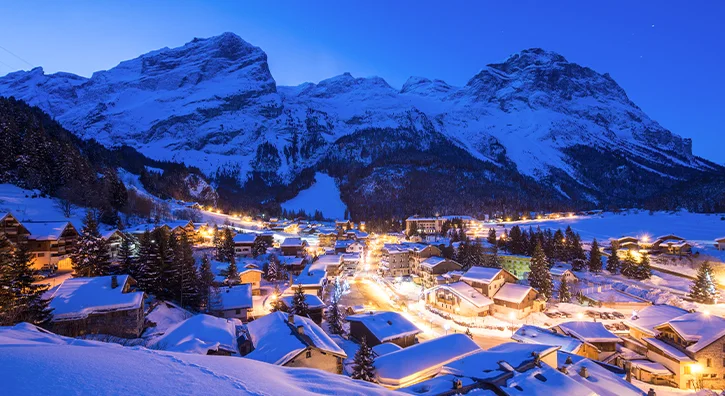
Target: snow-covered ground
[28, 205]
[323, 195]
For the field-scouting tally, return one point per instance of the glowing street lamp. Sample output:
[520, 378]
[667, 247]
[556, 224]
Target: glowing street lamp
[446, 327]
[512, 316]
[580, 316]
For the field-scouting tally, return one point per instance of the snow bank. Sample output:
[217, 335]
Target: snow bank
[200, 334]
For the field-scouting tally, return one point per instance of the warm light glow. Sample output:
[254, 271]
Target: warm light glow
[696, 368]
[458, 309]
[645, 238]
[706, 312]
[580, 315]
[512, 316]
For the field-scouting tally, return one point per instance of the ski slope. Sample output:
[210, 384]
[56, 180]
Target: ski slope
[323, 195]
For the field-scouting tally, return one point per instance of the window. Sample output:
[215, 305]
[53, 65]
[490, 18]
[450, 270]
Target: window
[709, 362]
[41, 254]
[308, 354]
[239, 311]
[687, 369]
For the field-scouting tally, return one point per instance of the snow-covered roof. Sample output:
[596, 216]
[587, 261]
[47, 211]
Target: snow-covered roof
[385, 348]
[386, 325]
[654, 315]
[720, 239]
[313, 302]
[76, 298]
[530, 334]
[290, 260]
[481, 274]
[487, 364]
[108, 234]
[46, 230]
[35, 360]
[700, 328]
[424, 360]
[328, 260]
[668, 349]
[560, 269]
[245, 238]
[544, 380]
[588, 331]
[432, 261]
[512, 292]
[652, 367]
[234, 297]
[466, 292]
[277, 342]
[311, 275]
[200, 334]
[291, 242]
[600, 381]
[441, 384]
[611, 295]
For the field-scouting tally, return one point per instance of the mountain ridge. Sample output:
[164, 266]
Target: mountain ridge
[214, 104]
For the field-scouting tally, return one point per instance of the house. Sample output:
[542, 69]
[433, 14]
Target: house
[293, 247]
[424, 225]
[384, 326]
[607, 296]
[13, 229]
[529, 334]
[243, 244]
[342, 245]
[642, 323]
[293, 265]
[432, 267]
[518, 265]
[100, 305]
[350, 262]
[519, 300]
[692, 347]
[562, 271]
[598, 342]
[114, 239]
[51, 243]
[343, 224]
[422, 361]
[487, 280]
[314, 303]
[420, 252]
[327, 238]
[251, 274]
[332, 263]
[459, 298]
[201, 334]
[354, 247]
[293, 341]
[385, 348]
[312, 279]
[232, 302]
[720, 243]
[395, 260]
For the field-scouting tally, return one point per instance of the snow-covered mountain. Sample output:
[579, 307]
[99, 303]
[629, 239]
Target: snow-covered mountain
[533, 126]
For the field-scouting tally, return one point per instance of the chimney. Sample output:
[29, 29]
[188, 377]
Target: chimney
[114, 281]
[457, 384]
[584, 372]
[568, 360]
[628, 367]
[651, 392]
[564, 369]
[291, 318]
[301, 330]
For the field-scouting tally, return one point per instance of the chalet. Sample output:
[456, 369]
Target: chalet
[349, 246]
[327, 238]
[51, 243]
[293, 247]
[267, 237]
[100, 305]
[312, 279]
[720, 243]
[243, 244]
[114, 238]
[201, 334]
[562, 271]
[519, 300]
[291, 264]
[343, 224]
[487, 280]
[380, 327]
[332, 263]
[293, 341]
[598, 342]
[350, 262]
[607, 296]
[642, 323]
[232, 302]
[459, 298]
[314, 303]
[418, 253]
[252, 275]
[433, 267]
[628, 243]
[679, 248]
[13, 229]
[385, 348]
[691, 346]
[529, 334]
[517, 265]
[182, 227]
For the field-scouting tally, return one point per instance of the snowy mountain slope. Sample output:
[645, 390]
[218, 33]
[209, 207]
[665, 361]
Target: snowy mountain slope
[535, 122]
[36, 362]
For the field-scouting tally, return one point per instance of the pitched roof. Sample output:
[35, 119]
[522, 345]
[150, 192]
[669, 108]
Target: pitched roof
[277, 342]
[291, 242]
[385, 348]
[245, 238]
[652, 316]
[512, 292]
[432, 261]
[697, 327]
[481, 274]
[530, 334]
[386, 325]
[200, 334]
[588, 331]
[465, 292]
[669, 349]
[234, 297]
[46, 230]
[312, 301]
[76, 298]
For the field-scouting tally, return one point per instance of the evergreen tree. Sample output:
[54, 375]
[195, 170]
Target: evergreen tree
[468, 333]
[91, 256]
[299, 303]
[559, 246]
[644, 269]
[22, 300]
[232, 273]
[168, 284]
[492, 236]
[540, 276]
[515, 243]
[228, 245]
[217, 241]
[334, 317]
[259, 247]
[127, 256]
[613, 264]
[190, 294]
[206, 281]
[629, 265]
[703, 289]
[595, 258]
[363, 368]
[275, 298]
[564, 293]
[273, 268]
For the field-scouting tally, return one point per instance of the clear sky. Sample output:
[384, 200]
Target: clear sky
[668, 55]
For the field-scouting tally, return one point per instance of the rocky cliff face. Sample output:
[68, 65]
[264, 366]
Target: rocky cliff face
[535, 124]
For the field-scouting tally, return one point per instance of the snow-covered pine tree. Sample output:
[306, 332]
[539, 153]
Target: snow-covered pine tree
[564, 292]
[273, 268]
[540, 276]
[26, 302]
[217, 241]
[363, 368]
[595, 258]
[91, 256]
[127, 256]
[703, 289]
[190, 295]
[613, 263]
[276, 293]
[492, 236]
[206, 281]
[227, 245]
[232, 272]
[333, 315]
[259, 247]
[6, 280]
[629, 265]
[644, 269]
[299, 303]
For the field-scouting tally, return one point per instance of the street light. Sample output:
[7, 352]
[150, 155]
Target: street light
[512, 316]
[446, 327]
[580, 316]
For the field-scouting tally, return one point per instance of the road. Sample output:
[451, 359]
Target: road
[369, 294]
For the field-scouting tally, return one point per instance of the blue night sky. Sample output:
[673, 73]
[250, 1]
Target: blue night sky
[669, 56]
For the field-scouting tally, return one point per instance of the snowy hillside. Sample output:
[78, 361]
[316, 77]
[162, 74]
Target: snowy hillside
[37, 362]
[535, 121]
[323, 195]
